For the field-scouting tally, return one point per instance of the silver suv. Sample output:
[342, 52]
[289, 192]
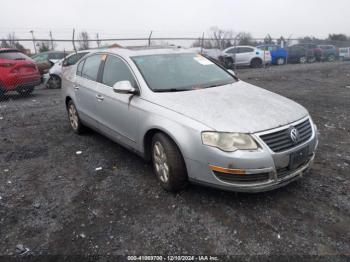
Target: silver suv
[193, 119]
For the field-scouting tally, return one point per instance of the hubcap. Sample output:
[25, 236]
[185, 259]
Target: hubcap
[160, 162]
[73, 117]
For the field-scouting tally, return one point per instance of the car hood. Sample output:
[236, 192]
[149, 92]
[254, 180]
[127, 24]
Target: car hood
[237, 107]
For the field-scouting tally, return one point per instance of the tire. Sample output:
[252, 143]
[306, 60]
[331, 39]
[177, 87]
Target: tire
[311, 59]
[331, 58]
[229, 64]
[256, 63]
[280, 61]
[2, 93]
[74, 120]
[168, 163]
[54, 82]
[26, 91]
[303, 60]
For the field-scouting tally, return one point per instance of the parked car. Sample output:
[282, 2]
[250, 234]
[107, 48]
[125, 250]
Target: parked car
[278, 54]
[329, 52]
[54, 78]
[46, 60]
[300, 54]
[193, 119]
[18, 72]
[313, 52]
[244, 56]
[344, 53]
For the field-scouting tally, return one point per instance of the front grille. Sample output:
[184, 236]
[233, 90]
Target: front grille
[280, 140]
[247, 178]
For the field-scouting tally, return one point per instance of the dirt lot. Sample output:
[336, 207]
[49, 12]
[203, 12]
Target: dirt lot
[54, 202]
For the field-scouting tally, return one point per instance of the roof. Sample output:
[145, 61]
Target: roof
[145, 51]
[9, 50]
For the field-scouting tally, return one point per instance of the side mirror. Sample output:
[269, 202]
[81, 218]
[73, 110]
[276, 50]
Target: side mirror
[124, 87]
[231, 72]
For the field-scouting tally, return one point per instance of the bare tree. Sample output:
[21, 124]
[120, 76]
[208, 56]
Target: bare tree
[245, 38]
[43, 46]
[84, 41]
[12, 43]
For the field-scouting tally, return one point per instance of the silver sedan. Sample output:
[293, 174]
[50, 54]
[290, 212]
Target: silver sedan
[193, 119]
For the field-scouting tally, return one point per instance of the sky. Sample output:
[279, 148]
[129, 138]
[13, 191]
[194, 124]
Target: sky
[174, 18]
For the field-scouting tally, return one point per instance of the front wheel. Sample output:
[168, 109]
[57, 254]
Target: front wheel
[256, 63]
[54, 82]
[168, 163]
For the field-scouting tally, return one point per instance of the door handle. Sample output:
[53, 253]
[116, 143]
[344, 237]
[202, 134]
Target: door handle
[76, 87]
[99, 97]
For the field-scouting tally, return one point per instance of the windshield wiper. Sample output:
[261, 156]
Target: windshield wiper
[172, 90]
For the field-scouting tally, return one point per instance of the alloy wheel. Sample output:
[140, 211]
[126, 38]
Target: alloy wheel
[160, 162]
[73, 117]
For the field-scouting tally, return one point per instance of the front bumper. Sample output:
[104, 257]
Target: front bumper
[269, 170]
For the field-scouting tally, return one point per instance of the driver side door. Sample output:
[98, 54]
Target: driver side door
[117, 113]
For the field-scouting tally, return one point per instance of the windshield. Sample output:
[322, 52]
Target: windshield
[180, 72]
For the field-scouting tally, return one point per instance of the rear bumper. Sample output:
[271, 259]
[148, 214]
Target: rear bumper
[12, 82]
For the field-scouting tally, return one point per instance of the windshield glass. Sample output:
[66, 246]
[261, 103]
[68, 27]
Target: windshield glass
[180, 72]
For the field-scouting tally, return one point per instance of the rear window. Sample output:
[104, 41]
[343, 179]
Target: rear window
[57, 56]
[12, 55]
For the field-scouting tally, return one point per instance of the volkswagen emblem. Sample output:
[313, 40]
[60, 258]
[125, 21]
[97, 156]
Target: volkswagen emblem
[294, 134]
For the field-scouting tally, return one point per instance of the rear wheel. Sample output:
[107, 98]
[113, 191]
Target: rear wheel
[331, 58]
[256, 63]
[54, 82]
[25, 91]
[311, 59]
[168, 163]
[280, 61]
[74, 119]
[303, 60]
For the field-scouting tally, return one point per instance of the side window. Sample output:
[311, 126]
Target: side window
[80, 67]
[245, 50]
[272, 48]
[116, 70]
[91, 67]
[232, 50]
[73, 59]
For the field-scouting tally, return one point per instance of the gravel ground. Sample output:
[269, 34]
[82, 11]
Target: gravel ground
[53, 201]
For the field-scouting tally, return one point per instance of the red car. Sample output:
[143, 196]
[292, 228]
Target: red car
[18, 72]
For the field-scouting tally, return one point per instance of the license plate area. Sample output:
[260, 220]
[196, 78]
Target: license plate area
[298, 158]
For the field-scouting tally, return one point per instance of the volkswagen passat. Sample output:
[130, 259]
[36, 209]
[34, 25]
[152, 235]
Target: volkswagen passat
[193, 119]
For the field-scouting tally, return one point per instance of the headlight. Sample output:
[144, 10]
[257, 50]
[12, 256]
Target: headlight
[229, 141]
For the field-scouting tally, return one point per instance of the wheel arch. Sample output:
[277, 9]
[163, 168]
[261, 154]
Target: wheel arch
[147, 141]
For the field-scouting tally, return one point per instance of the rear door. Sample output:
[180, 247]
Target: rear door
[86, 87]
[117, 114]
[244, 55]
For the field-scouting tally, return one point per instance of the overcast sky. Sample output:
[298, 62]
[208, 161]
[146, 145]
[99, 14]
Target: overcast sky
[171, 18]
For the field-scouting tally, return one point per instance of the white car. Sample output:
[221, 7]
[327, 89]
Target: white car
[344, 53]
[245, 56]
[54, 78]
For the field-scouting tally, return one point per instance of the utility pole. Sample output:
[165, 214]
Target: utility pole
[32, 32]
[149, 38]
[51, 40]
[98, 40]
